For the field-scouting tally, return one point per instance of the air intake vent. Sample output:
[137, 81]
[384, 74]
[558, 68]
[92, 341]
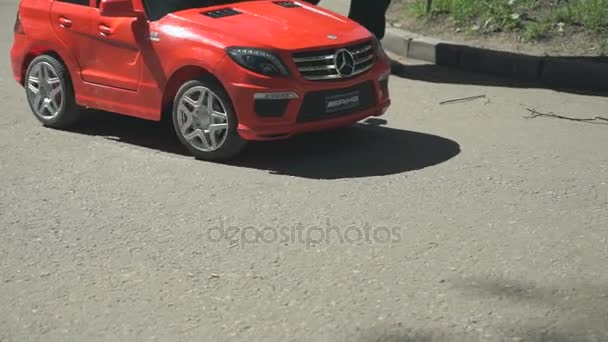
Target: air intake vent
[221, 13]
[287, 4]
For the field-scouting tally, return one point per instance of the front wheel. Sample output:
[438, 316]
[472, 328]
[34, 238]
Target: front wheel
[205, 121]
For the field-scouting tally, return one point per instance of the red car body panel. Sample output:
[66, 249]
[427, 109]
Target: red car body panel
[131, 66]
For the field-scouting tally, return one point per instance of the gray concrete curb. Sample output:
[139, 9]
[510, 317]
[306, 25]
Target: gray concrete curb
[581, 73]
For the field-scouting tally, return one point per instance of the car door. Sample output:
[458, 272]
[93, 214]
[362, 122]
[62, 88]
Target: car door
[71, 20]
[114, 59]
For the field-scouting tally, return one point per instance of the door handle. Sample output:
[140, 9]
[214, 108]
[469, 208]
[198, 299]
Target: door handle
[65, 22]
[105, 30]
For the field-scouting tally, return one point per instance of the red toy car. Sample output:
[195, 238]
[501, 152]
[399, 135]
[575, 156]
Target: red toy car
[225, 72]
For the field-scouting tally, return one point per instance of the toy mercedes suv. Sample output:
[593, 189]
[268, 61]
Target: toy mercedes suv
[223, 72]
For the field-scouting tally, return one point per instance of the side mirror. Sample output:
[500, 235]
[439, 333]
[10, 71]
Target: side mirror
[117, 8]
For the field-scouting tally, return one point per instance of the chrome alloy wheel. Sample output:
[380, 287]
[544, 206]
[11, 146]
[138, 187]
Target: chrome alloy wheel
[202, 119]
[45, 91]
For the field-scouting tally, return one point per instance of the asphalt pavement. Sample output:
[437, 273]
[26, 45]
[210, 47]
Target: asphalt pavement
[463, 221]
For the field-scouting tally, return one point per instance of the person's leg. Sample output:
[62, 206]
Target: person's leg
[370, 14]
[357, 12]
[381, 18]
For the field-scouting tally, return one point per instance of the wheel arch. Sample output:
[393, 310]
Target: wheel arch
[177, 79]
[40, 50]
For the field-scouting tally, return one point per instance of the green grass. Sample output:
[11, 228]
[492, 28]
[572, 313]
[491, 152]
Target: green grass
[592, 14]
[536, 31]
[504, 13]
[501, 15]
[563, 14]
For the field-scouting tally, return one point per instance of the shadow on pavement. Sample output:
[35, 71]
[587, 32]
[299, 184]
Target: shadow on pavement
[362, 150]
[399, 333]
[149, 134]
[569, 313]
[448, 75]
[524, 334]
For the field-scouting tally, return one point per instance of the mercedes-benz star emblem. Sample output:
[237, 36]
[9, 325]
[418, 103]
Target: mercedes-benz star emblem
[345, 63]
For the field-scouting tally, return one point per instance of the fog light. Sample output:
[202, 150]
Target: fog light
[384, 76]
[276, 96]
[385, 108]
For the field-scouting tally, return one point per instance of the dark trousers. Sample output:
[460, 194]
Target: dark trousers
[369, 13]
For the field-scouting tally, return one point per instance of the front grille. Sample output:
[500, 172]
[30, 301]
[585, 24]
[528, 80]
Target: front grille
[314, 103]
[320, 65]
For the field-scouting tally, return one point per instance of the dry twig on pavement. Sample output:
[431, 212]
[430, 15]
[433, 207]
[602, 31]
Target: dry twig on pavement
[535, 114]
[464, 99]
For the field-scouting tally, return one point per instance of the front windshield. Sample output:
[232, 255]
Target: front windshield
[157, 9]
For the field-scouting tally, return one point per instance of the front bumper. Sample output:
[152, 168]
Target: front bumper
[277, 108]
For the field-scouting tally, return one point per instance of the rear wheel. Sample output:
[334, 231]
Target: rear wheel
[50, 93]
[205, 121]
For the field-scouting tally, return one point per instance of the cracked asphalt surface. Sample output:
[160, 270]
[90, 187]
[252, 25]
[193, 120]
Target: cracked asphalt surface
[459, 222]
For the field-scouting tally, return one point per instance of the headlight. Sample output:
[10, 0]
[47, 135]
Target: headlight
[378, 48]
[260, 61]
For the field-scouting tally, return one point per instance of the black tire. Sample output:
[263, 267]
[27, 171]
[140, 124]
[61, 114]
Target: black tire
[68, 112]
[233, 143]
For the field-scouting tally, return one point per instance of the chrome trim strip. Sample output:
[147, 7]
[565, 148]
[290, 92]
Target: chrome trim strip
[318, 68]
[325, 77]
[314, 59]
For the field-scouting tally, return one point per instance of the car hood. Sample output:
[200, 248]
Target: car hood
[268, 24]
